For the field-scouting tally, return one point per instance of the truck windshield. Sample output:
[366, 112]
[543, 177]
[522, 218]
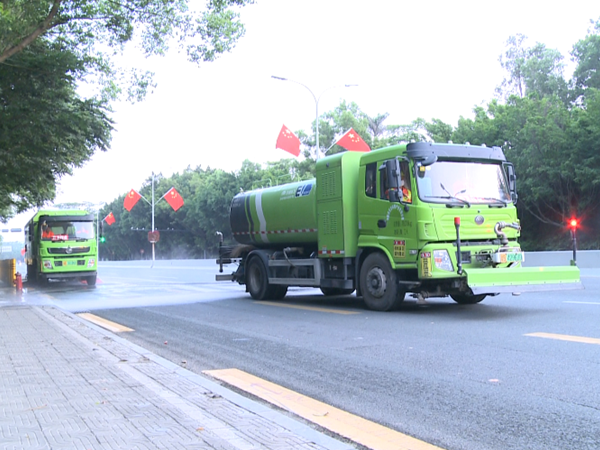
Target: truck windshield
[463, 183]
[66, 231]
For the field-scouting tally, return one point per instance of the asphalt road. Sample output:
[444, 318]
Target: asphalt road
[460, 377]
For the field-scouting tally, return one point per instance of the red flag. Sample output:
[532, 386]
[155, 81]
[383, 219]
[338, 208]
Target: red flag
[110, 219]
[353, 142]
[174, 199]
[288, 141]
[131, 199]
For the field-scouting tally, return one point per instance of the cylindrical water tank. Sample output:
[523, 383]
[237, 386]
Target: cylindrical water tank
[276, 216]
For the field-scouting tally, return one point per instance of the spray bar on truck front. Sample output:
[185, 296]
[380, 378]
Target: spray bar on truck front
[523, 279]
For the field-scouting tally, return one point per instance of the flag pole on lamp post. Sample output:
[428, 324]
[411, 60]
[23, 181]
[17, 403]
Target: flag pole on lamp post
[316, 99]
[172, 197]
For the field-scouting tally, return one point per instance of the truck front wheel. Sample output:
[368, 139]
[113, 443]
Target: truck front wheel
[277, 291]
[379, 284]
[31, 274]
[467, 299]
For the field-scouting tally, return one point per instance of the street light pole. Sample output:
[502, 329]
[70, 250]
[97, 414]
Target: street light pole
[316, 99]
[152, 218]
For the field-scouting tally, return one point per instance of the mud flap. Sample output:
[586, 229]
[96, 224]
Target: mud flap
[523, 279]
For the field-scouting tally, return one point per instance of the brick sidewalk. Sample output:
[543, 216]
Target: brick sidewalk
[68, 384]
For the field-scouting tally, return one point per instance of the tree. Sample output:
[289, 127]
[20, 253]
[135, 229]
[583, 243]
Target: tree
[46, 129]
[334, 124]
[554, 148]
[586, 53]
[531, 70]
[93, 25]
[48, 48]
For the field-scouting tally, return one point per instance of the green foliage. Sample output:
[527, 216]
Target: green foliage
[49, 47]
[586, 53]
[98, 29]
[532, 71]
[333, 124]
[46, 129]
[191, 231]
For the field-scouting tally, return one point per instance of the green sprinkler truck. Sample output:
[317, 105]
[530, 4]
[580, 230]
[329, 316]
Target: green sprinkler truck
[61, 244]
[433, 220]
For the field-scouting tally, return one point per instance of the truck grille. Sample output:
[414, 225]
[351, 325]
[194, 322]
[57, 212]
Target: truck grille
[68, 250]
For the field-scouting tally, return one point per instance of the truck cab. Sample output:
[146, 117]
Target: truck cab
[60, 245]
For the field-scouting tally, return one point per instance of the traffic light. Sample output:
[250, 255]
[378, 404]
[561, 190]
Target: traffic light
[102, 239]
[573, 224]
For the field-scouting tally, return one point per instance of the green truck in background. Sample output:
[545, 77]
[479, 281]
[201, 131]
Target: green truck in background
[61, 244]
[433, 220]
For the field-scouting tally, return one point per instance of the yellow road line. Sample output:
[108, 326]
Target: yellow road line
[355, 428]
[566, 337]
[110, 326]
[308, 308]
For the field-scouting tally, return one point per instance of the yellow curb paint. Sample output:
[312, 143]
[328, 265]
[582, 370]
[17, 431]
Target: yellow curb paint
[308, 308]
[355, 428]
[566, 337]
[110, 326]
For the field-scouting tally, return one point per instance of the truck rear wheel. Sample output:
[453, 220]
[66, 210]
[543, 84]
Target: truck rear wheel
[379, 284]
[256, 279]
[467, 299]
[257, 282]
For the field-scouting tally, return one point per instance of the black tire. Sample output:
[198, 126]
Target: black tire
[379, 284]
[336, 291]
[31, 274]
[467, 299]
[277, 291]
[257, 281]
[91, 280]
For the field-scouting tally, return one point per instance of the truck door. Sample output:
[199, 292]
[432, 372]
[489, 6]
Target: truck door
[389, 213]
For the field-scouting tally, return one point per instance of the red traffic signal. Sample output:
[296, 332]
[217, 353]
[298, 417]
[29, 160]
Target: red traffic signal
[573, 223]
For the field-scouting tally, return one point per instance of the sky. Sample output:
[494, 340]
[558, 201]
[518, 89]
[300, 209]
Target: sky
[429, 59]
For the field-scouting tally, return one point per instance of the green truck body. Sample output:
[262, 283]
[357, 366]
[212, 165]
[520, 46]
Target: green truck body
[433, 220]
[61, 244]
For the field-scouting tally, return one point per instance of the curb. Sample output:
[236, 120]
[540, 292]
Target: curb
[279, 418]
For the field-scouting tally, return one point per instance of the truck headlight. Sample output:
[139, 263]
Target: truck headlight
[442, 260]
[47, 264]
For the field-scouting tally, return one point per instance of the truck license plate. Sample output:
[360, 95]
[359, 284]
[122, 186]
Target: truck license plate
[506, 257]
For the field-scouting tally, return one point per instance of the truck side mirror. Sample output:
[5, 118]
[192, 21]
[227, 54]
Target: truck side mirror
[392, 167]
[509, 169]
